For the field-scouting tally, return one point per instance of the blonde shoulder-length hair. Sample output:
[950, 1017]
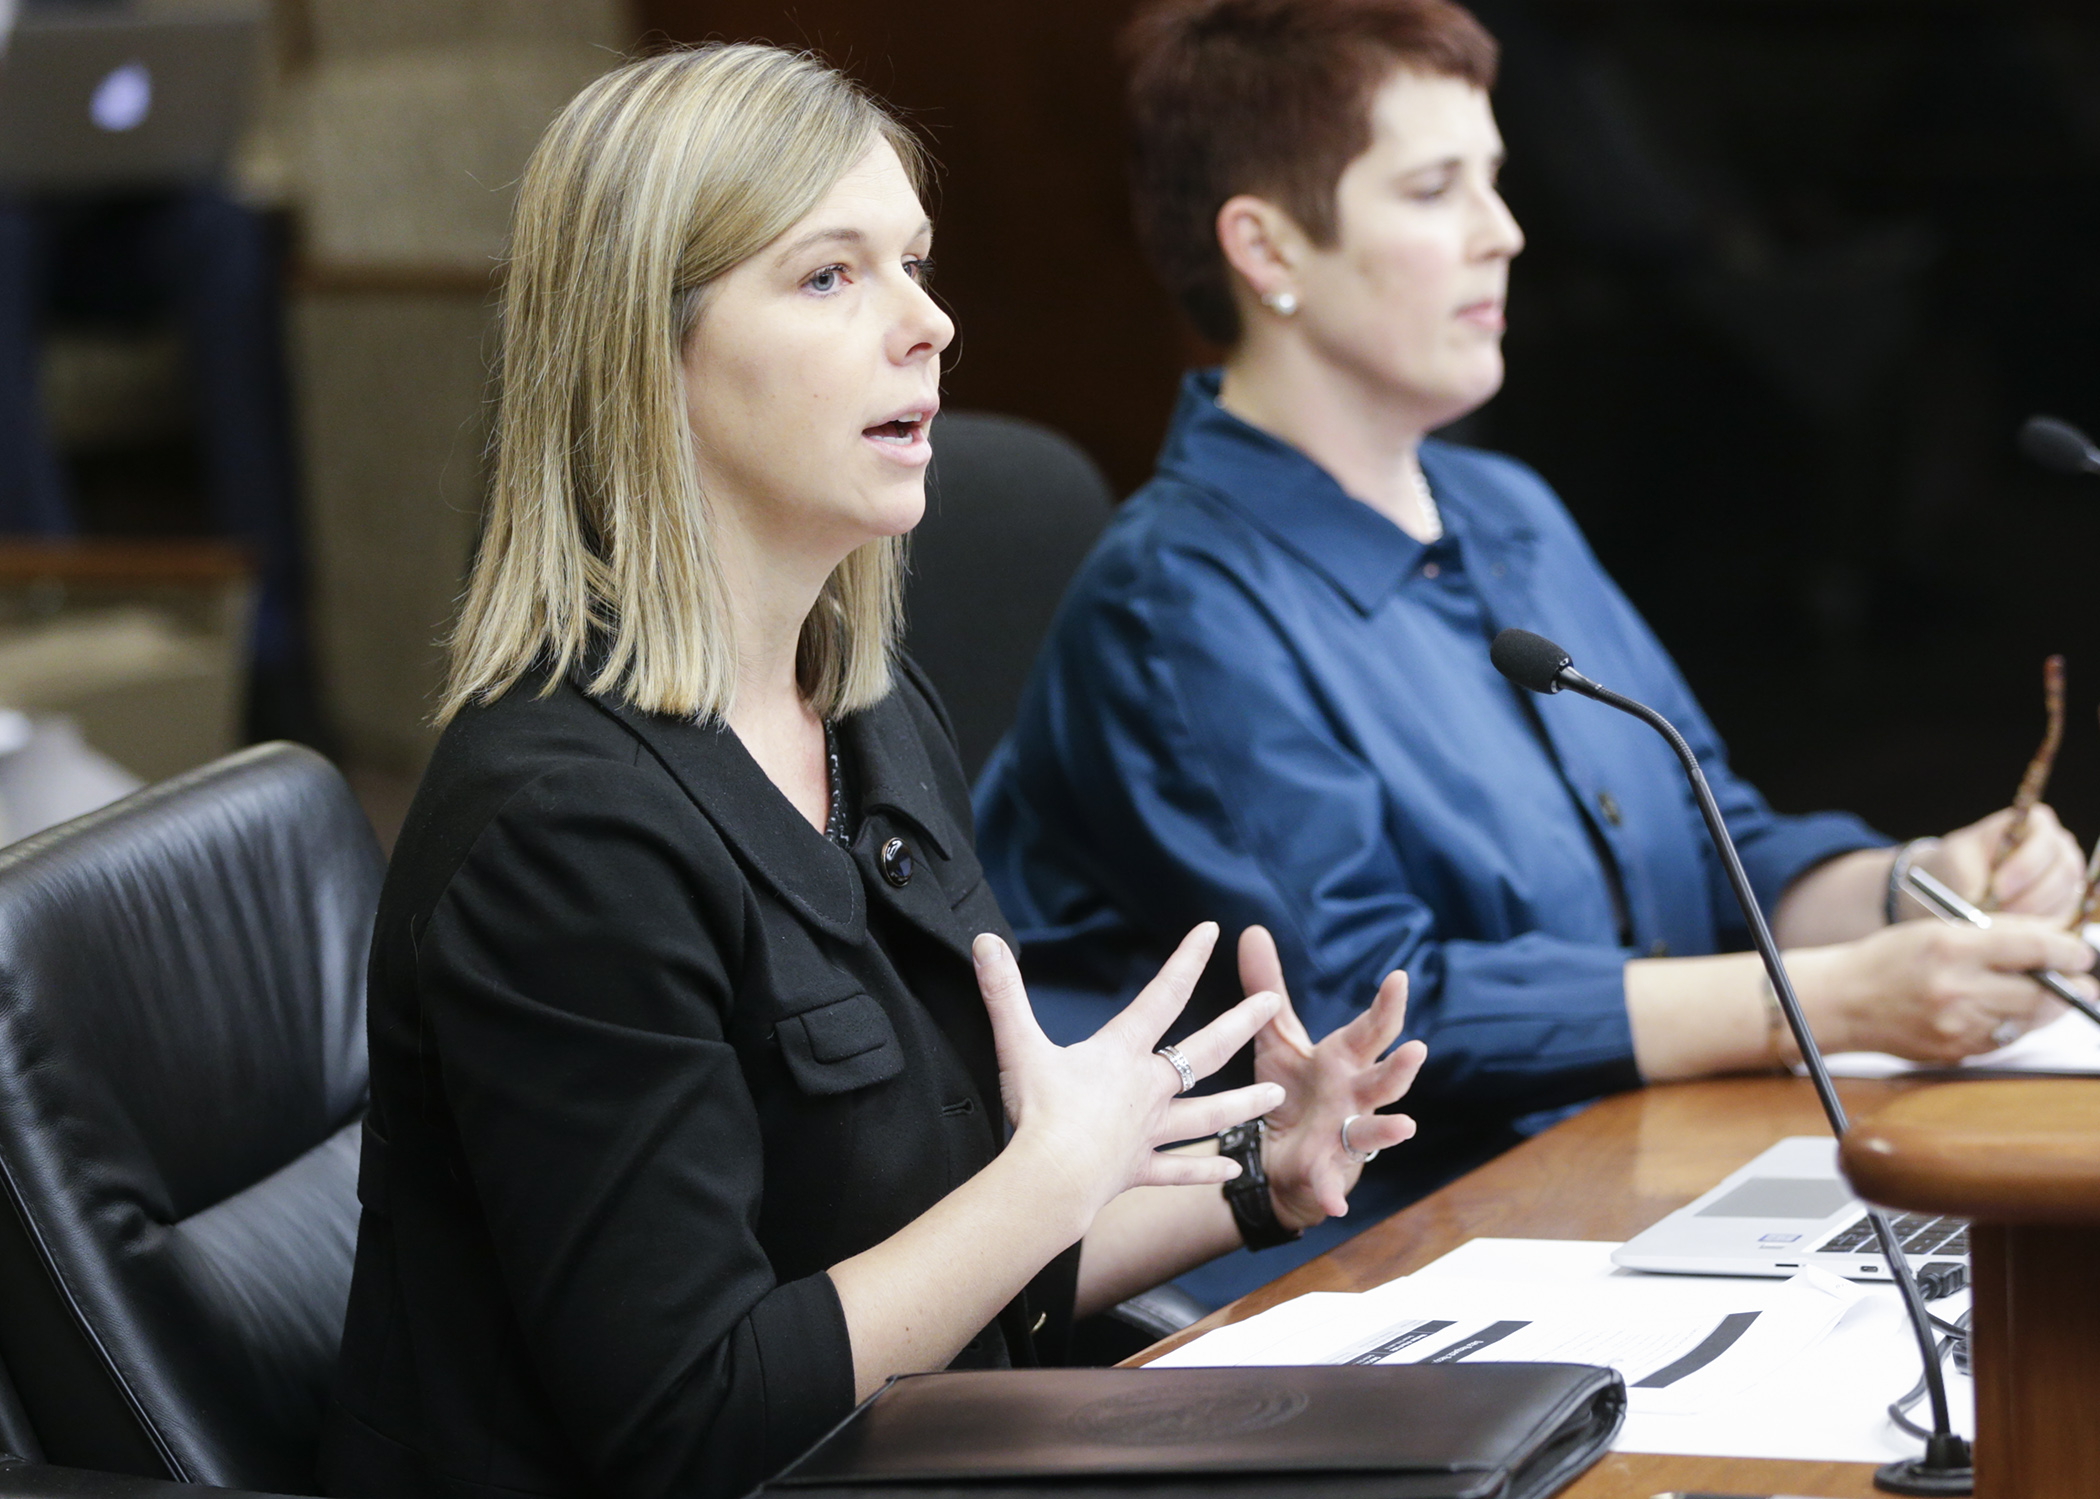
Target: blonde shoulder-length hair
[597, 544]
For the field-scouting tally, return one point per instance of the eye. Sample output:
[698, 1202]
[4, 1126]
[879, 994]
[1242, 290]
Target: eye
[825, 281]
[920, 269]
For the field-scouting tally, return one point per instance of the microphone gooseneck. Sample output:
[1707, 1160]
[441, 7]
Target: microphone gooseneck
[1536, 663]
[2057, 445]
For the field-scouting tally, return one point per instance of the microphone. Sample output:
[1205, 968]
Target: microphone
[2058, 446]
[1534, 662]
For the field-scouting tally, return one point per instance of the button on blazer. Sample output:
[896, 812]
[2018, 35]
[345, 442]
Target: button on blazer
[649, 1054]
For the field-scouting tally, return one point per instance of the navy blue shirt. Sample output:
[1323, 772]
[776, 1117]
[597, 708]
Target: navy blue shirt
[1262, 701]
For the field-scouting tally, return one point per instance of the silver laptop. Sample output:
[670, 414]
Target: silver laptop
[109, 97]
[1785, 1211]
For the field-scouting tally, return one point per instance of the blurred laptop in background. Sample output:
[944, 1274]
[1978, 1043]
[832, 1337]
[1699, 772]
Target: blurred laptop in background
[117, 122]
[109, 95]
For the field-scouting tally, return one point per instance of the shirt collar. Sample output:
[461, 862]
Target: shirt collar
[1299, 505]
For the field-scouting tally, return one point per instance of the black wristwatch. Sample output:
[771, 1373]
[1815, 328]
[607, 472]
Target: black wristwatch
[1248, 1193]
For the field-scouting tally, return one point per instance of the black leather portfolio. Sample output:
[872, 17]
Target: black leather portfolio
[1401, 1431]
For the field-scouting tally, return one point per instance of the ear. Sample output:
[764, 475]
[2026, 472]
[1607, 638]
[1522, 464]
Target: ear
[1263, 245]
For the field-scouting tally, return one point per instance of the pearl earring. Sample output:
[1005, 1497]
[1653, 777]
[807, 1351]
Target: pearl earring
[1282, 303]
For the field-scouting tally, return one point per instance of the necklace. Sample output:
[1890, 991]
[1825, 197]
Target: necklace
[838, 822]
[1433, 518]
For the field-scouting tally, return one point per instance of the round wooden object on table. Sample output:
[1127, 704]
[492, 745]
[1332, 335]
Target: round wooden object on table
[2021, 1160]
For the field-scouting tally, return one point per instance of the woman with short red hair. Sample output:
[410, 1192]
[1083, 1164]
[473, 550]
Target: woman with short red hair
[1268, 698]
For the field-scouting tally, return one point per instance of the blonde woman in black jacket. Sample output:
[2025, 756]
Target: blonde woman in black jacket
[706, 1095]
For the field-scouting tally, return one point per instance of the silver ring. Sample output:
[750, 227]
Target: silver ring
[1361, 1157]
[2006, 1032]
[1180, 1064]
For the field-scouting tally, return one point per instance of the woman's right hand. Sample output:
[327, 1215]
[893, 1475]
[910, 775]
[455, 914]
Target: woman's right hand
[1935, 993]
[1095, 1114]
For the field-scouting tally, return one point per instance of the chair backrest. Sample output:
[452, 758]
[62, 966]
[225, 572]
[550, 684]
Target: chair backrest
[182, 1077]
[1011, 509]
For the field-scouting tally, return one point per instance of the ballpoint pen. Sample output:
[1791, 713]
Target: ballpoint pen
[1951, 908]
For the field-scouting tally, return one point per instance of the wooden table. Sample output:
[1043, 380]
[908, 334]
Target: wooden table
[1605, 1174]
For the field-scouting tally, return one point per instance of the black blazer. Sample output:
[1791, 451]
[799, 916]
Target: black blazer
[649, 1053]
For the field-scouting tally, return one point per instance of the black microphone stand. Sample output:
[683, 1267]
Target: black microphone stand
[1946, 1466]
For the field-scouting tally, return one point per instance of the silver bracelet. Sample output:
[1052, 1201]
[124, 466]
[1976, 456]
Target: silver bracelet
[1776, 1028]
[1899, 867]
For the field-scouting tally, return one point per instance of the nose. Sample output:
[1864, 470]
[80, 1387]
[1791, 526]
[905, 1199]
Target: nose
[922, 329]
[1499, 237]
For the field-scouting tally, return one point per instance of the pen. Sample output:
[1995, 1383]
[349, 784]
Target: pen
[1949, 907]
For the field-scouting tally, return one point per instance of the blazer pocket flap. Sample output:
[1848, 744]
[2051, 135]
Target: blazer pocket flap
[841, 1046]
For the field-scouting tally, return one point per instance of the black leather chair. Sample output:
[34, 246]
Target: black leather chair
[182, 1079]
[1011, 510]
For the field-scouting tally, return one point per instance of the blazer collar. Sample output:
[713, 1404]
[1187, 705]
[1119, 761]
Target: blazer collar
[898, 796]
[893, 773]
[807, 870]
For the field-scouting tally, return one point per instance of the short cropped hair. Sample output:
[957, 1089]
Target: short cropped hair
[1269, 97]
[598, 545]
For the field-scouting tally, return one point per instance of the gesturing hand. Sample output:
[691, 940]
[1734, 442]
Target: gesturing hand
[1309, 1173]
[1097, 1112]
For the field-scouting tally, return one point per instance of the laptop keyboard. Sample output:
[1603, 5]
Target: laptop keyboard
[1918, 1233]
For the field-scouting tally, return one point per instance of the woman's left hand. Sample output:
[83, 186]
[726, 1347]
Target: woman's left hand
[1310, 1174]
[2042, 875]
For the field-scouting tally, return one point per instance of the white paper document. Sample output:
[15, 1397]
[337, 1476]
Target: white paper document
[2068, 1044]
[1680, 1347]
[1714, 1365]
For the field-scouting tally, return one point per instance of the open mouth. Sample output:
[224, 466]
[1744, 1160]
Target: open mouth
[905, 436]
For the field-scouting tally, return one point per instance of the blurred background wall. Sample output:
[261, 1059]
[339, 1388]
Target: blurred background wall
[384, 142]
[1797, 268]
[404, 124]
